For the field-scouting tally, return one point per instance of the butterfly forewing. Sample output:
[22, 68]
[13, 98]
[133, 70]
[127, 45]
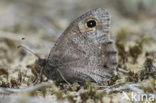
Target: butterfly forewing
[84, 51]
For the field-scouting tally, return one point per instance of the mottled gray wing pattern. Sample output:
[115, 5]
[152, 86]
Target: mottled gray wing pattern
[84, 51]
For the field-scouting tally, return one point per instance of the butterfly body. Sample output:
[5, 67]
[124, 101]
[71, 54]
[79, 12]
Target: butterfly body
[84, 51]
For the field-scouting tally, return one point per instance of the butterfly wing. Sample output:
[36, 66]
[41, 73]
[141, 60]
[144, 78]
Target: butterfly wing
[84, 51]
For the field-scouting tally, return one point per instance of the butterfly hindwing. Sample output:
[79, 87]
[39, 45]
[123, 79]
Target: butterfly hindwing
[84, 51]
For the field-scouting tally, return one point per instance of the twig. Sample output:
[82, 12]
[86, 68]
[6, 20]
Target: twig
[123, 70]
[132, 87]
[27, 89]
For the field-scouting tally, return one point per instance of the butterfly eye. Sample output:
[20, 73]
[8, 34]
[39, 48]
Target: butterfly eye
[91, 23]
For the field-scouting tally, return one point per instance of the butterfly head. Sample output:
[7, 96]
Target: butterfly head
[40, 63]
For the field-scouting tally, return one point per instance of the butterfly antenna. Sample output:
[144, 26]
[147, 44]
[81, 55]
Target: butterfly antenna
[21, 46]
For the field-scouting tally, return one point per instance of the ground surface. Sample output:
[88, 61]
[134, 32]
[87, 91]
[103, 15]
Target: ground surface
[36, 25]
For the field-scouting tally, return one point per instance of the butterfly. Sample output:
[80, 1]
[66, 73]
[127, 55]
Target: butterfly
[83, 52]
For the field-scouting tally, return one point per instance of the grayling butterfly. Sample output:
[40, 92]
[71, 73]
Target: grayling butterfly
[84, 51]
